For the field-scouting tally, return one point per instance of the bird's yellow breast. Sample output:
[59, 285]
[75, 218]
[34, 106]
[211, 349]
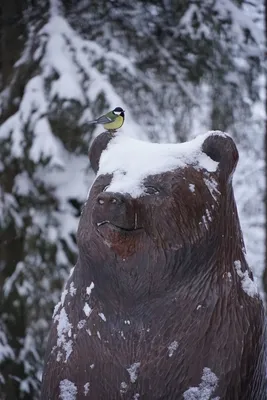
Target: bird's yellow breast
[115, 124]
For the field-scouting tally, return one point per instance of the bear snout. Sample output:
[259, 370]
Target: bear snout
[115, 209]
[107, 199]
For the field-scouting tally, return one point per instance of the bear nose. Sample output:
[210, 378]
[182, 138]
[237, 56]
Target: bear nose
[106, 198]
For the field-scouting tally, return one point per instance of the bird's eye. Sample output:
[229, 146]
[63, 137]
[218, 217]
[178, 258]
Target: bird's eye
[151, 190]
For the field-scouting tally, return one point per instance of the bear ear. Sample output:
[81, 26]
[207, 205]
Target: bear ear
[99, 144]
[220, 147]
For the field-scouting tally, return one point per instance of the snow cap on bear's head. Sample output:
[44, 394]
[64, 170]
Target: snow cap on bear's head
[131, 161]
[172, 194]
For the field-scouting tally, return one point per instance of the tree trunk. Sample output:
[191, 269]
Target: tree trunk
[11, 37]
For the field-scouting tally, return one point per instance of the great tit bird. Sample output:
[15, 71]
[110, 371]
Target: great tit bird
[112, 121]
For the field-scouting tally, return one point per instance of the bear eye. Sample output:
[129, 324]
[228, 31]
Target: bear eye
[151, 190]
[105, 188]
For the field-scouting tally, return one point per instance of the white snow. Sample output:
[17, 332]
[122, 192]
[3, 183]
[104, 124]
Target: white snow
[63, 296]
[68, 390]
[73, 290]
[71, 272]
[8, 285]
[9, 206]
[249, 185]
[102, 316]
[241, 20]
[206, 388]
[248, 285]
[87, 309]
[90, 288]
[57, 307]
[60, 303]
[45, 143]
[229, 276]
[205, 222]
[81, 324]
[172, 347]
[208, 215]
[25, 385]
[123, 387]
[86, 388]
[70, 181]
[24, 185]
[64, 332]
[133, 371]
[67, 86]
[192, 187]
[124, 154]
[73, 58]
[186, 25]
[5, 350]
[55, 8]
[212, 186]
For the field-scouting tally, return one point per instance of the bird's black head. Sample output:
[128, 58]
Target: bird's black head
[118, 111]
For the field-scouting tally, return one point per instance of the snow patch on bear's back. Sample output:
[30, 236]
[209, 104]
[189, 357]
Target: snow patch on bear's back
[206, 388]
[68, 390]
[133, 371]
[248, 285]
[64, 335]
[131, 161]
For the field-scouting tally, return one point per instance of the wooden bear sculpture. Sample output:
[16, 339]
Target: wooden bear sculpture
[161, 303]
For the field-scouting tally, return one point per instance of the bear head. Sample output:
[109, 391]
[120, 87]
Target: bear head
[156, 212]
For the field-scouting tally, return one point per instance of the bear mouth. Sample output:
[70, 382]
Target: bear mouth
[117, 227]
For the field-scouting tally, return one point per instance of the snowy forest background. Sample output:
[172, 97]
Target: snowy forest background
[178, 68]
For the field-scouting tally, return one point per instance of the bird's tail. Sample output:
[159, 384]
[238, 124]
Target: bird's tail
[92, 122]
